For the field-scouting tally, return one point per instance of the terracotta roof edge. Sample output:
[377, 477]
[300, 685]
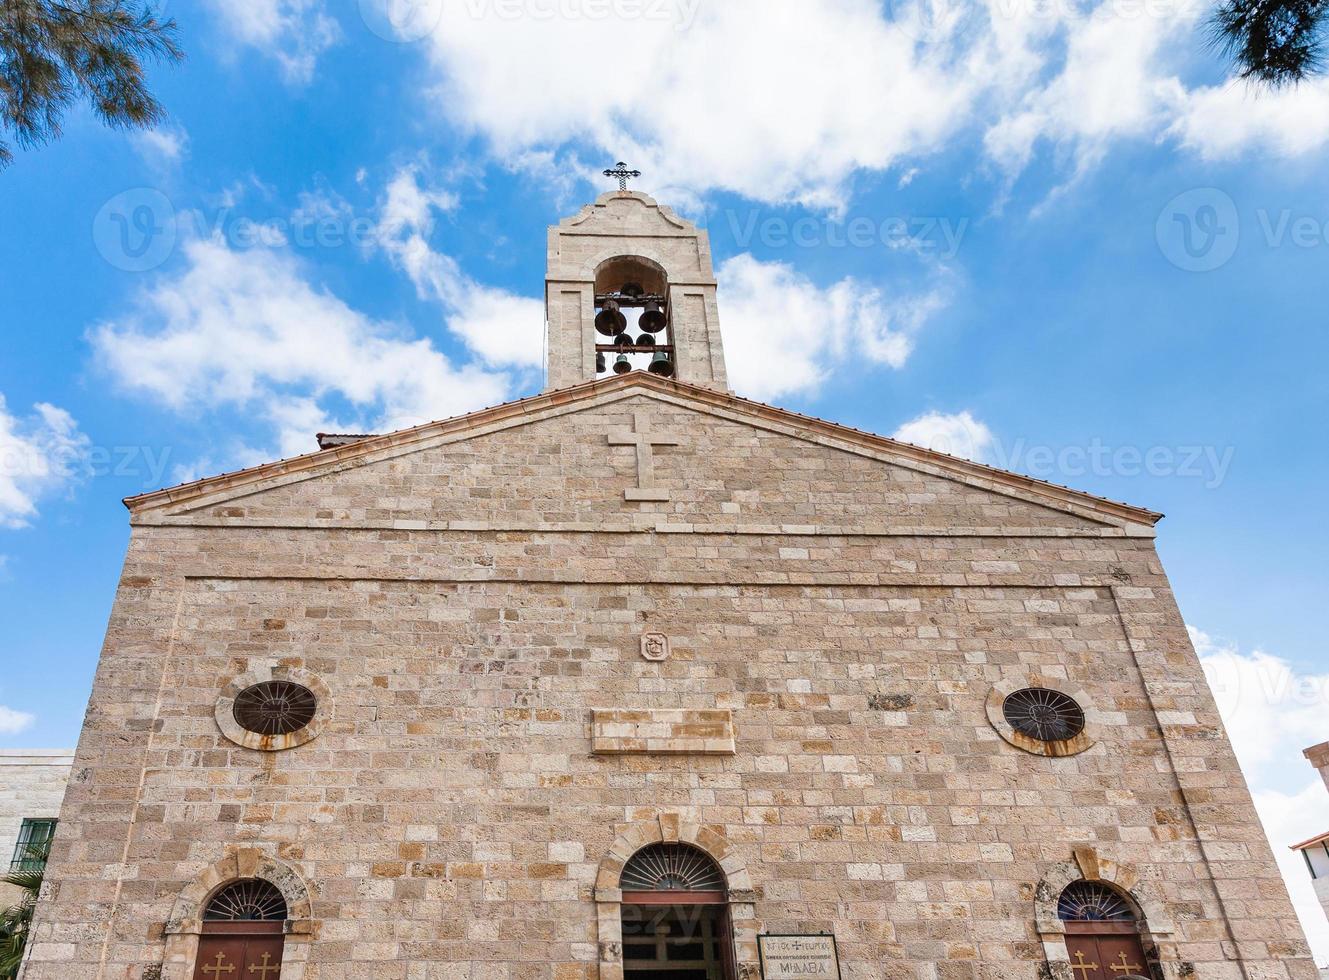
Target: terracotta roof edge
[1051, 492]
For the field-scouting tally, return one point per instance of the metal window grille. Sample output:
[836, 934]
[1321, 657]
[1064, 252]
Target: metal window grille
[1048, 716]
[250, 900]
[275, 707]
[34, 840]
[671, 867]
[1091, 901]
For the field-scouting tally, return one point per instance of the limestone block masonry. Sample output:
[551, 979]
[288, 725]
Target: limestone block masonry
[472, 596]
[471, 592]
[677, 731]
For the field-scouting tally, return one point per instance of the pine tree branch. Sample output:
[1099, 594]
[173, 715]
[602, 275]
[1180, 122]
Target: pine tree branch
[56, 52]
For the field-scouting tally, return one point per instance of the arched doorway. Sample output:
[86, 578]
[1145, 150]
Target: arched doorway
[1102, 933]
[676, 923]
[243, 937]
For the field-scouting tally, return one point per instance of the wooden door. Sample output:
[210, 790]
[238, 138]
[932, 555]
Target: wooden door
[1106, 955]
[240, 951]
[727, 962]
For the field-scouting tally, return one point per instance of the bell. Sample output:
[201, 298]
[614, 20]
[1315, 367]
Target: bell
[662, 365]
[622, 365]
[610, 320]
[599, 364]
[645, 340]
[632, 289]
[653, 320]
[623, 340]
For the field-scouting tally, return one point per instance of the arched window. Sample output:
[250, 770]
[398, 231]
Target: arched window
[1092, 901]
[1102, 933]
[675, 915]
[251, 900]
[243, 932]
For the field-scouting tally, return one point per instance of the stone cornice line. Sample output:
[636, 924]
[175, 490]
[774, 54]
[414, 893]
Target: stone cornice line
[661, 526]
[789, 582]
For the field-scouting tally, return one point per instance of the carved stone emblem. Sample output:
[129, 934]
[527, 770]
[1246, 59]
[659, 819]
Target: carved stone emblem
[655, 646]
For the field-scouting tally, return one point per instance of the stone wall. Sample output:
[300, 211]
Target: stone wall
[468, 611]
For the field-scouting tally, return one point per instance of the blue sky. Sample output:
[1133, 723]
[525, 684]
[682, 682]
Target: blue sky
[1053, 236]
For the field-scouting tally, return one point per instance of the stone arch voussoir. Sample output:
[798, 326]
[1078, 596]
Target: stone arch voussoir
[672, 828]
[242, 863]
[1089, 864]
[184, 929]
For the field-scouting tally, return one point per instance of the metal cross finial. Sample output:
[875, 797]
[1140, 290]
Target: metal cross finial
[622, 172]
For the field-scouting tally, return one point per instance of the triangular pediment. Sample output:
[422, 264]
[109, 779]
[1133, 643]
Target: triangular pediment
[567, 460]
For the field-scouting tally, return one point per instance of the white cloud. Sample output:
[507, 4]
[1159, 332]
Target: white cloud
[39, 454]
[959, 435]
[783, 334]
[321, 206]
[293, 32]
[696, 104]
[1223, 121]
[12, 722]
[700, 106]
[1268, 706]
[246, 329]
[1114, 82]
[163, 146]
[1272, 712]
[504, 329]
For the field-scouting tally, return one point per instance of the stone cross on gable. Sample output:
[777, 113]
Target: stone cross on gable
[644, 440]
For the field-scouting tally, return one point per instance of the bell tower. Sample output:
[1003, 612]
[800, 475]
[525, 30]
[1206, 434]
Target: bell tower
[630, 287]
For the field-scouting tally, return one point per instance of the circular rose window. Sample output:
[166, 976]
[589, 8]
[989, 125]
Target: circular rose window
[1042, 714]
[275, 708]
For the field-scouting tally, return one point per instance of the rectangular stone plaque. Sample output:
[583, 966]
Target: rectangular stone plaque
[799, 958]
[670, 731]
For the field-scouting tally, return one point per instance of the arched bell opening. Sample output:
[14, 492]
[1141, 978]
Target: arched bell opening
[244, 932]
[1103, 928]
[675, 915]
[633, 318]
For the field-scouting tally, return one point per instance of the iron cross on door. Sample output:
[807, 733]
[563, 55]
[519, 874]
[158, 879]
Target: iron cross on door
[1125, 966]
[1083, 969]
[218, 967]
[266, 967]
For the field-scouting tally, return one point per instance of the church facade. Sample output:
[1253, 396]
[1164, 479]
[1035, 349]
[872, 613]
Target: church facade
[638, 680]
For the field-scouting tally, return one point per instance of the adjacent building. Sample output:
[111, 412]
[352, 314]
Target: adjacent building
[636, 679]
[32, 786]
[1316, 850]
